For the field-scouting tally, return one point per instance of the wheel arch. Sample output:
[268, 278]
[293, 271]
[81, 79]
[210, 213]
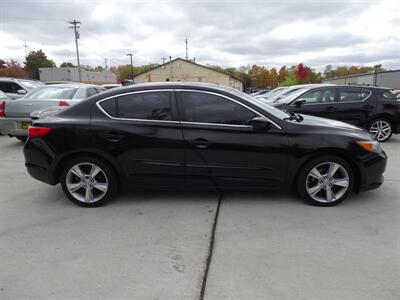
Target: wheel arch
[333, 152]
[386, 116]
[59, 165]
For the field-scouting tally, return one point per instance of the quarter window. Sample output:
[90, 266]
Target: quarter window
[207, 108]
[353, 94]
[144, 106]
[319, 96]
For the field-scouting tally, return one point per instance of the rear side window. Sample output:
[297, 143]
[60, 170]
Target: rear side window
[208, 108]
[388, 95]
[142, 106]
[353, 94]
[9, 87]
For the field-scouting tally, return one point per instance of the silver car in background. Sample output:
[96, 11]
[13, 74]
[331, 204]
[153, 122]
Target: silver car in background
[16, 116]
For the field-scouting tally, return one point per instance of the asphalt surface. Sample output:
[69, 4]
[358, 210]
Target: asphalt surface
[157, 245]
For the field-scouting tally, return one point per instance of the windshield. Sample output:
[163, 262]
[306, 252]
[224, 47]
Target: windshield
[288, 98]
[268, 108]
[30, 84]
[275, 92]
[52, 93]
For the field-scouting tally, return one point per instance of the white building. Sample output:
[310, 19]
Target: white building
[186, 71]
[390, 79]
[71, 74]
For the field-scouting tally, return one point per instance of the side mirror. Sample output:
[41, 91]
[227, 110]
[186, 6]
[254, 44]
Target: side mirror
[21, 92]
[260, 124]
[299, 102]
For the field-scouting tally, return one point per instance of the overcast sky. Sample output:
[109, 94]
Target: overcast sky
[225, 33]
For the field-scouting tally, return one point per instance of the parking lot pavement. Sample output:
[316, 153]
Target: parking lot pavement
[273, 247]
[141, 246]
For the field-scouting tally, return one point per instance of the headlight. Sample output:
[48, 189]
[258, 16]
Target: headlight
[370, 146]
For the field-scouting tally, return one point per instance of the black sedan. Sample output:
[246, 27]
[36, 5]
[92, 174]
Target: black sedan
[198, 136]
[373, 108]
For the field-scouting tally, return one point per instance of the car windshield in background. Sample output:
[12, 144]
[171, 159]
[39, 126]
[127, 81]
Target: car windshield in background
[268, 108]
[30, 84]
[52, 93]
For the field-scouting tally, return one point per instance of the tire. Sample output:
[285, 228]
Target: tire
[325, 190]
[22, 138]
[382, 129]
[102, 187]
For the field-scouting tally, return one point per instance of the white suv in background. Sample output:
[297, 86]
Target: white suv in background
[17, 87]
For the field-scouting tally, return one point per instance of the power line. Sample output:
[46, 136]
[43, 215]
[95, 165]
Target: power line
[75, 26]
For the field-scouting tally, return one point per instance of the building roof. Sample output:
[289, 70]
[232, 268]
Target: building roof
[190, 62]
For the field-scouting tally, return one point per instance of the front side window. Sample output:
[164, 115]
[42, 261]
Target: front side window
[143, 106]
[9, 87]
[353, 94]
[208, 108]
[319, 96]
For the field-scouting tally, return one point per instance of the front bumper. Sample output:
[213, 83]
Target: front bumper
[372, 169]
[13, 126]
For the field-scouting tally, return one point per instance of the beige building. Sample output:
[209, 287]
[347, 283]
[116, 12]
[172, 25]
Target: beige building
[186, 71]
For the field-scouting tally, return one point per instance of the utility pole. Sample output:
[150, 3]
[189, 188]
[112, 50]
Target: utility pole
[75, 26]
[26, 46]
[186, 42]
[163, 60]
[130, 54]
[105, 63]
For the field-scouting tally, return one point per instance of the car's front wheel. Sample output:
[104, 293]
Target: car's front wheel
[88, 181]
[381, 129]
[325, 181]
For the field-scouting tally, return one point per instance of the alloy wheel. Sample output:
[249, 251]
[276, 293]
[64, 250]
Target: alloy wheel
[87, 182]
[327, 182]
[381, 129]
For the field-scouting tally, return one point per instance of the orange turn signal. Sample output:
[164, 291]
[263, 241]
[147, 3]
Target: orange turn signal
[370, 146]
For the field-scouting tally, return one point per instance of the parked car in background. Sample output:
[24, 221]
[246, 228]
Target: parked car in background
[373, 108]
[291, 90]
[198, 136]
[397, 93]
[109, 86]
[259, 93]
[16, 88]
[271, 93]
[3, 98]
[16, 114]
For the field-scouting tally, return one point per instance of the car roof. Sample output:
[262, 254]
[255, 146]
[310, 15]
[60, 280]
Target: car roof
[71, 85]
[18, 79]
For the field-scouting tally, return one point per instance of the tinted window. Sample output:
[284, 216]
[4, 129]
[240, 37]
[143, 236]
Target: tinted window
[109, 106]
[149, 106]
[208, 108]
[388, 95]
[319, 96]
[9, 87]
[52, 93]
[353, 94]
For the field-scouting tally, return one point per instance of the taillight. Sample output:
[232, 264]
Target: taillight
[63, 103]
[2, 109]
[38, 131]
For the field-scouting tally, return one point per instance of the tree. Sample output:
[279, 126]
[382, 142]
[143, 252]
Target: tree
[12, 68]
[301, 73]
[67, 65]
[36, 60]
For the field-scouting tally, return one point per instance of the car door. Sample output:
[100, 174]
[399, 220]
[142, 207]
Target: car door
[221, 147]
[355, 105]
[319, 102]
[142, 130]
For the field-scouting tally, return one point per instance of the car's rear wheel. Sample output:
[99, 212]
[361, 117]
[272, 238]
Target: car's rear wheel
[88, 181]
[381, 129]
[325, 181]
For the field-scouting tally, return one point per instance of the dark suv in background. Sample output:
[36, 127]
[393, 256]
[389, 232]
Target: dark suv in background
[373, 108]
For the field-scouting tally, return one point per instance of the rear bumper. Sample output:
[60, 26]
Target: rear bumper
[39, 160]
[12, 126]
[372, 169]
